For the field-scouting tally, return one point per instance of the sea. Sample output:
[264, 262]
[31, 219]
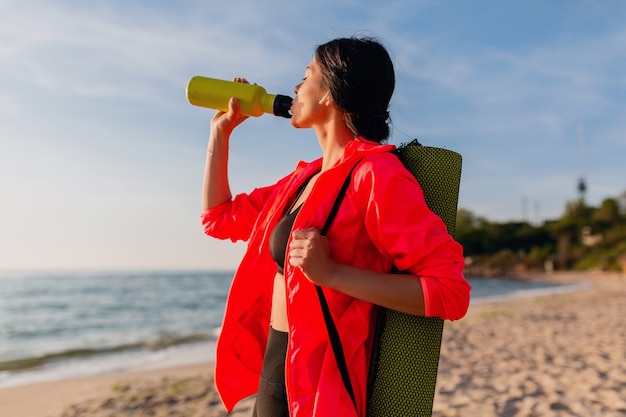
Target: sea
[60, 325]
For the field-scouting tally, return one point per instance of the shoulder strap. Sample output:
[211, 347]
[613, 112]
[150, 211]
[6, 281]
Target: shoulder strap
[338, 200]
[333, 334]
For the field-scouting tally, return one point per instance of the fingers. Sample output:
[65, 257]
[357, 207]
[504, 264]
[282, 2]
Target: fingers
[233, 108]
[310, 253]
[304, 245]
[302, 234]
[226, 122]
[307, 246]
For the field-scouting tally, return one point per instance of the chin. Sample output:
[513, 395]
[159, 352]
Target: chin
[294, 122]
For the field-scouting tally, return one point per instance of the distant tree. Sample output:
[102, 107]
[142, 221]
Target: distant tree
[538, 256]
[577, 213]
[466, 221]
[528, 237]
[621, 201]
[470, 232]
[565, 230]
[500, 246]
[606, 215]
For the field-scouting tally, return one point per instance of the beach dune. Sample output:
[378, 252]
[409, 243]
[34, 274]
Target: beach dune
[557, 355]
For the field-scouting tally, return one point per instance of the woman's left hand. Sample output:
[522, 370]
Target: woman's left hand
[309, 251]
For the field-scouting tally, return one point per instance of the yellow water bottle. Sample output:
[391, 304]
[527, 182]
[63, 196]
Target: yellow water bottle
[253, 99]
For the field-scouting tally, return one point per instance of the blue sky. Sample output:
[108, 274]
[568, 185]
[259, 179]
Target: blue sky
[101, 156]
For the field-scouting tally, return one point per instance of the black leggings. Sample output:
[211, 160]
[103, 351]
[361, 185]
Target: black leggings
[271, 398]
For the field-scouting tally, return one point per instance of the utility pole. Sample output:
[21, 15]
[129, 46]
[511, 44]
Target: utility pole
[582, 181]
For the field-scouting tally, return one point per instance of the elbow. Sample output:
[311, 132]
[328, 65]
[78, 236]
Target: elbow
[216, 224]
[457, 309]
[208, 223]
[448, 299]
[212, 224]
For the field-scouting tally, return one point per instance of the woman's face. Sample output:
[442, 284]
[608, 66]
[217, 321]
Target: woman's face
[309, 104]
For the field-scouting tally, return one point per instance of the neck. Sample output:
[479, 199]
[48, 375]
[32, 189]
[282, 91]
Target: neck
[333, 138]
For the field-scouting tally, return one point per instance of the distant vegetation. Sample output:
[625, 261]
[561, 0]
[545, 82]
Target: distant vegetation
[583, 238]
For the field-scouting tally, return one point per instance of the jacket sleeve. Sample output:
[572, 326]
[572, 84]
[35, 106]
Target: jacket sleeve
[406, 231]
[235, 219]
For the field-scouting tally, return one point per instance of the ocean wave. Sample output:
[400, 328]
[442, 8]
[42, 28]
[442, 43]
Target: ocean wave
[163, 341]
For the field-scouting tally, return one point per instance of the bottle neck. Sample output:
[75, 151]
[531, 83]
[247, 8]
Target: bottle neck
[282, 106]
[276, 104]
[267, 103]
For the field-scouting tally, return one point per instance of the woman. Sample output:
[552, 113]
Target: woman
[274, 341]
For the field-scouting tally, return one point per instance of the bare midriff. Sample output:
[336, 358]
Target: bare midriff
[278, 318]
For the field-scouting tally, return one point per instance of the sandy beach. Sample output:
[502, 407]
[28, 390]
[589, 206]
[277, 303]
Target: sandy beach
[556, 355]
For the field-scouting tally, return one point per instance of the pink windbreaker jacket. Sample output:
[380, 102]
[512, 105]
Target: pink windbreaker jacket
[383, 220]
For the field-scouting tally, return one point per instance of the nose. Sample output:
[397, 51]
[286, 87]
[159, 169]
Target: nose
[297, 87]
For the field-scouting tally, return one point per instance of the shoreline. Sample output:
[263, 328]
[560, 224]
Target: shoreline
[559, 288]
[552, 354]
[105, 364]
[170, 351]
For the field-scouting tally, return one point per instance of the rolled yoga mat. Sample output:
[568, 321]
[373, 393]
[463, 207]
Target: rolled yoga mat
[405, 356]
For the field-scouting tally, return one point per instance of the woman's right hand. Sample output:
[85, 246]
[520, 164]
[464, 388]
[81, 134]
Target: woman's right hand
[216, 189]
[223, 123]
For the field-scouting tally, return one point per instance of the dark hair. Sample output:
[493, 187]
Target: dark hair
[359, 75]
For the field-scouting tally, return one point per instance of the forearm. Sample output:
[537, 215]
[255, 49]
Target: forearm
[401, 292]
[216, 187]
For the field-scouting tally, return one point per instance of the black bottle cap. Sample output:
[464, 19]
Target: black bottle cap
[282, 106]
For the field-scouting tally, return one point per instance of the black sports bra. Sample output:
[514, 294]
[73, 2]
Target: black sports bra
[280, 237]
